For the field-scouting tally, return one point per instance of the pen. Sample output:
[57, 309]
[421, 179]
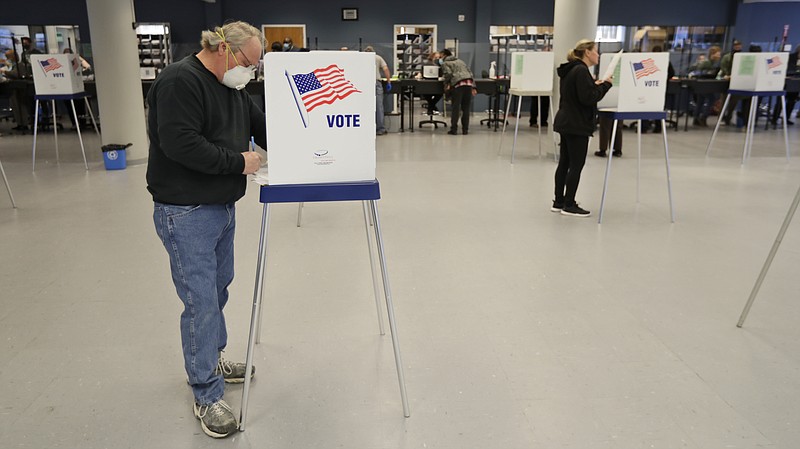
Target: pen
[252, 143]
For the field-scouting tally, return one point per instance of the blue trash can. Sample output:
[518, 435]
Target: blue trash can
[114, 156]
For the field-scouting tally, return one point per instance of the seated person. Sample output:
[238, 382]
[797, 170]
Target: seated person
[707, 69]
[432, 100]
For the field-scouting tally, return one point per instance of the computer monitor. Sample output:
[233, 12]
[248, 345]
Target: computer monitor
[430, 72]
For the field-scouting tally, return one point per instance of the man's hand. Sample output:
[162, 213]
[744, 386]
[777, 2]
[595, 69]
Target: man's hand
[252, 162]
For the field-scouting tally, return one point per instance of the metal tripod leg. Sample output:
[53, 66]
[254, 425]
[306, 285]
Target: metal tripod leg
[638, 156]
[91, 115]
[35, 132]
[78, 128]
[669, 179]
[508, 107]
[375, 283]
[8, 186]
[719, 121]
[55, 126]
[255, 317]
[768, 263]
[516, 128]
[750, 128]
[608, 170]
[785, 131]
[299, 213]
[390, 309]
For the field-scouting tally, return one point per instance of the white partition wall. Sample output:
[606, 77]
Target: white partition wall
[532, 71]
[760, 72]
[320, 116]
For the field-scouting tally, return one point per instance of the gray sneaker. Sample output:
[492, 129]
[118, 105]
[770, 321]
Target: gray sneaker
[232, 372]
[217, 419]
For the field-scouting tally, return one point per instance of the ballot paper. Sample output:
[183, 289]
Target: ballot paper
[612, 66]
[261, 177]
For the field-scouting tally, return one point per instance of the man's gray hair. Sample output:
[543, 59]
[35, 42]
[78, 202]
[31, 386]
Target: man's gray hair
[235, 34]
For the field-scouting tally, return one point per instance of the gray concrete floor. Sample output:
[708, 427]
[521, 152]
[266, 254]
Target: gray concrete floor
[519, 328]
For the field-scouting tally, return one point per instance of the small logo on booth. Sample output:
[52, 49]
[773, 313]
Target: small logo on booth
[112, 155]
[48, 65]
[323, 157]
[320, 87]
[773, 62]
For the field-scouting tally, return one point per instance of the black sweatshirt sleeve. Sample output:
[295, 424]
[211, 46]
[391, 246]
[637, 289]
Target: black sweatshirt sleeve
[180, 111]
[589, 93]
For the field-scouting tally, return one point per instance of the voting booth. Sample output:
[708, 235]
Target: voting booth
[58, 74]
[639, 87]
[759, 72]
[320, 116]
[58, 77]
[531, 76]
[642, 77]
[756, 75]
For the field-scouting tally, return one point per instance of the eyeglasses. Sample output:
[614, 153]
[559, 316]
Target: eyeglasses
[249, 64]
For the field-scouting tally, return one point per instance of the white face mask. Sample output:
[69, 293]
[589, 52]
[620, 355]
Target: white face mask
[237, 77]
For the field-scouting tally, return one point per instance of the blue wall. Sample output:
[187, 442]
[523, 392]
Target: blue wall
[763, 22]
[754, 22]
[671, 12]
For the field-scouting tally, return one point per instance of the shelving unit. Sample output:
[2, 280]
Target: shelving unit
[413, 45]
[505, 40]
[155, 48]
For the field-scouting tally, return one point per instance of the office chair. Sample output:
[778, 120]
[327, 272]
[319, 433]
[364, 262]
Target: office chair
[430, 88]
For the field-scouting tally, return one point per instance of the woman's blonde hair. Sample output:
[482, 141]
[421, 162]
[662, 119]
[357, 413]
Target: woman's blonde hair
[713, 50]
[235, 34]
[577, 53]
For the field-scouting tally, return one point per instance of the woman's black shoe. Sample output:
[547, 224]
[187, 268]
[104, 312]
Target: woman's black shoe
[617, 153]
[452, 132]
[600, 153]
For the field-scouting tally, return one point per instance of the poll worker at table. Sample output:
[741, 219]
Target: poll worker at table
[459, 83]
[708, 69]
[381, 71]
[725, 70]
[431, 100]
[200, 124]
[575, 122]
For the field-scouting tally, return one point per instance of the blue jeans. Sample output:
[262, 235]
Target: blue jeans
[379, 126]
[199, 241]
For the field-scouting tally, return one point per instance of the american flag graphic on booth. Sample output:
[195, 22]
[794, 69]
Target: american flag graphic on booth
[50, 64]
[323, 86]
[644, 68]
[773, 62]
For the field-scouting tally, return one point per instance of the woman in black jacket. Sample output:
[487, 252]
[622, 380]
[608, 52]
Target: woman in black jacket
[575, 122]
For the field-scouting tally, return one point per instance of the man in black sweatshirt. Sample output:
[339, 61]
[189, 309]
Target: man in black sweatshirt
[200, 124]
